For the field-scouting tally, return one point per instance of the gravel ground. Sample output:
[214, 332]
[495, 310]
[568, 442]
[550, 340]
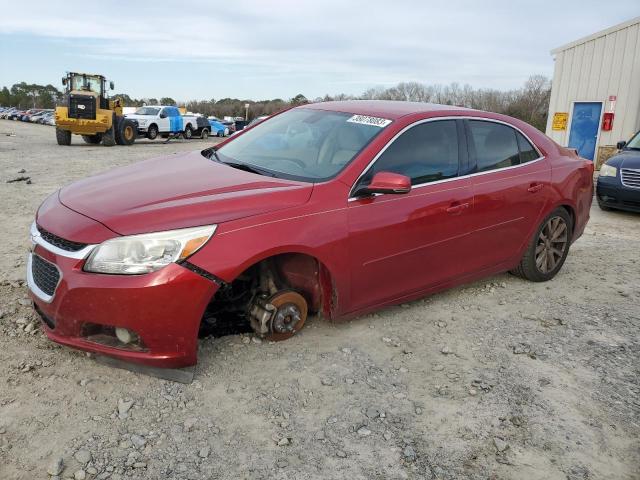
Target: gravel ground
[500, 379]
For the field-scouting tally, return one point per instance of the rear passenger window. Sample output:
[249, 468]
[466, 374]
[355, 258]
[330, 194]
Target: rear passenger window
[495, 145]
[527, 152]
[424, 153]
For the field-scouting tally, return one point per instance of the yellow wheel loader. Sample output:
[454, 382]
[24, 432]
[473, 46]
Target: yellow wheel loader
[88, 111]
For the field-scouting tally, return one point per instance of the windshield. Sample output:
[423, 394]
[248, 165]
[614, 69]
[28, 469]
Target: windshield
[86, 82]
[147, 111]
[303, 144]
[634, 142]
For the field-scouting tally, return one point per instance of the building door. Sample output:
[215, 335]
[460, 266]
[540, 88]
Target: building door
[585, 122]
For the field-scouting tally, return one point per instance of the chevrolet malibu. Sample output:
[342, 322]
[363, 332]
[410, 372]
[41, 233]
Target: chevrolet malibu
[334, 209]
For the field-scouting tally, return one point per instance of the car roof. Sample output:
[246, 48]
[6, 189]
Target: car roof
[384, 108]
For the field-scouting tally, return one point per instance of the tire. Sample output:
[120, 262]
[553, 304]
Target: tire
[548, 248]
[188, 132]
[220, 133]
[92, 139]
[108, 137]
[204, 134]
[125, 132]
[152, 132]
[63, 136]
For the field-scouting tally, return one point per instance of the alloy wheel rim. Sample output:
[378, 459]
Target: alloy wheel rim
[551, 244]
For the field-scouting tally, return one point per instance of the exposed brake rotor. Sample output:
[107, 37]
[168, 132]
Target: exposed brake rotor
[280, 316]
[290, 315]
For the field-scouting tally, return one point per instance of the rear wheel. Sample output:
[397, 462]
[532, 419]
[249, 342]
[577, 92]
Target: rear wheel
[188, 132]
[204, 134]
[125, 132]
[152, 132]
[92, 139]
[548, 248]
[63, 136]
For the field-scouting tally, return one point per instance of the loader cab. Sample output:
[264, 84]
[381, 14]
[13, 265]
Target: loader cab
[85, 93]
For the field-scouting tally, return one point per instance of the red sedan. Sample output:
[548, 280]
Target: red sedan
[334, 208]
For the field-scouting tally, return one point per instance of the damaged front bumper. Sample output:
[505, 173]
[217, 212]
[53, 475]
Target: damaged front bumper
[161, 310]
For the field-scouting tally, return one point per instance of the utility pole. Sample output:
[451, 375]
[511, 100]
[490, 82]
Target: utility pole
[246, 112]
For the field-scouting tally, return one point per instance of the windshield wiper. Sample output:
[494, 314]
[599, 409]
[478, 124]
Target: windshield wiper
[240, 166]
[215, 155]
[247, 168]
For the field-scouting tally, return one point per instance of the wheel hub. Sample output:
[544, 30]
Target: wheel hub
[280, 316]
[551, 245]
[285, 319]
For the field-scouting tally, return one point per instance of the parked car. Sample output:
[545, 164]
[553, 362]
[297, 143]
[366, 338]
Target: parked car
[26, 117]
[218, 128]
[8, 111]
[618, 185]
[38, 117]
[338, 208]
[16, 114]
[231, 126]
[257, 120]
[50, 119]
[240, 124]
[160, 119]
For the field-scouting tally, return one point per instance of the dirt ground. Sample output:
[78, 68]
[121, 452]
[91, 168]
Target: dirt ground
[500, 379]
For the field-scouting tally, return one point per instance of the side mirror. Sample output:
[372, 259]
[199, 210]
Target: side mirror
[111, 85]
[163, 115]
[621, 144]
[386, 182]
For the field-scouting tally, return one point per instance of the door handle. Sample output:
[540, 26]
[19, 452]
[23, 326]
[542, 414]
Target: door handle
[535, 187]
[457, 207]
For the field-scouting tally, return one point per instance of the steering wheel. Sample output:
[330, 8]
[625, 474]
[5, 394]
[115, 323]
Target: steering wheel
[297, 129]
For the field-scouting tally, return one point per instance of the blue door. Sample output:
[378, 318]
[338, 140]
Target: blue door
[585, 122]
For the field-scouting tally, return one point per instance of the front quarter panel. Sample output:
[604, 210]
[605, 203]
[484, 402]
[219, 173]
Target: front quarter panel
[317, 228]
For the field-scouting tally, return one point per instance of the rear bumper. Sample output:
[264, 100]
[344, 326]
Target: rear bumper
[613, 195]
[163, 308]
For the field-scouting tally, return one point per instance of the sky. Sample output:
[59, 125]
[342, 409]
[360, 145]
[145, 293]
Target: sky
[203, 49]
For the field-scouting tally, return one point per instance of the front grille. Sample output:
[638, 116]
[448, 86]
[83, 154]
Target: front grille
[45, 274]
[82, 106]
[630, 177]
[60, 242]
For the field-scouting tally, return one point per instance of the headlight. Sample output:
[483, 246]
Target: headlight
[608, 171]
[146, 253]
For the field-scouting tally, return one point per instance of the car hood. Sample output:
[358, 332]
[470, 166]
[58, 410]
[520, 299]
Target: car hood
[625, 159]
[180, 191]
[133, 116]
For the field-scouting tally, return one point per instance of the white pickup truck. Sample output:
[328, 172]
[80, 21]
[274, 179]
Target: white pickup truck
[164, 120]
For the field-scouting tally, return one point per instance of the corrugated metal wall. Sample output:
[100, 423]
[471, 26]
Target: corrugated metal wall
[593, 70]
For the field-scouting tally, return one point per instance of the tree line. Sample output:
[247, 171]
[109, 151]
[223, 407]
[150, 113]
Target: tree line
[529, 103]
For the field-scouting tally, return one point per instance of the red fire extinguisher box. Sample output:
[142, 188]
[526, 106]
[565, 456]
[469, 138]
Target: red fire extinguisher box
[607, 121]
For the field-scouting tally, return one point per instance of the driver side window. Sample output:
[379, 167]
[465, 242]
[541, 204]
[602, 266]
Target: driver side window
[425, 153]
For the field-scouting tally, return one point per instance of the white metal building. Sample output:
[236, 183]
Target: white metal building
[595, 94]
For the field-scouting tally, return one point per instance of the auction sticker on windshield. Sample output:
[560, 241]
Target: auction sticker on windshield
[366, 120]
